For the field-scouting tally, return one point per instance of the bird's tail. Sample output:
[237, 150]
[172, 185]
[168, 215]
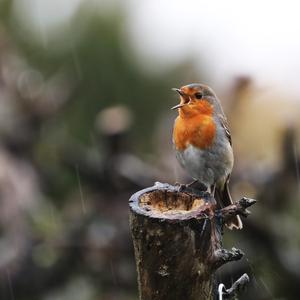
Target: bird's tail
[223, 198]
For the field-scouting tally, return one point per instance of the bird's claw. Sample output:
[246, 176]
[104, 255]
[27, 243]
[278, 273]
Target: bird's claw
[181, 186]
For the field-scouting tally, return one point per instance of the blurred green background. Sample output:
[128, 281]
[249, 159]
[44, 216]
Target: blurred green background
[85, 122]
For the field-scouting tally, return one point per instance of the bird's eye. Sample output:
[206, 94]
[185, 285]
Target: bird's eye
[198, 95]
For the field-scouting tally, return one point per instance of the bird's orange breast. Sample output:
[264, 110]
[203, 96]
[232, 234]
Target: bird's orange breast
[199, 131]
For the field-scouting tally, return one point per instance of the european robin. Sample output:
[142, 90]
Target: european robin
[202, 142]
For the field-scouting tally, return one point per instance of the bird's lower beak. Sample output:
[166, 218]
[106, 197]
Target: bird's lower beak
[178, 105]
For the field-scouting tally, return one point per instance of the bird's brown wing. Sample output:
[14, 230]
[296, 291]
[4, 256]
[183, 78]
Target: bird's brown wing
[223, 193]
[224, 124]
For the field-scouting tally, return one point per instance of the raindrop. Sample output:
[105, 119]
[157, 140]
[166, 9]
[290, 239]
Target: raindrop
[297, 164]
[76, 62]
[113, 272]
[11, 291]
[252, 271]
[80, 190]
[266, 287]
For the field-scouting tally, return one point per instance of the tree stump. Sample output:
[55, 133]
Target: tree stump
[177, 237]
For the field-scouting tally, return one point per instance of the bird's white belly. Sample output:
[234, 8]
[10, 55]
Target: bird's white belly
[210, 165]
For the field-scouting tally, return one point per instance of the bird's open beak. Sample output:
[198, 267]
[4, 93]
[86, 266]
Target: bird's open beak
[182, 94]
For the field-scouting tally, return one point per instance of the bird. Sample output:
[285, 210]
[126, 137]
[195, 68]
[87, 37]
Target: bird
[203, 144]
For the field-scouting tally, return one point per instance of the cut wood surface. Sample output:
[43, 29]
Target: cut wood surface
[177, 236]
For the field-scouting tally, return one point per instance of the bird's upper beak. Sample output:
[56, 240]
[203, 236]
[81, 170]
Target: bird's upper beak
[179, 91]
[182, 94]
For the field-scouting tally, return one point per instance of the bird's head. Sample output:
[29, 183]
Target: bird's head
[195, 99]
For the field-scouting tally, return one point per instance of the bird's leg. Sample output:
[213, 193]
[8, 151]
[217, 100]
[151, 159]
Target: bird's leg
[212, 189]
[192, 183]
[183, 186]
[189, 187]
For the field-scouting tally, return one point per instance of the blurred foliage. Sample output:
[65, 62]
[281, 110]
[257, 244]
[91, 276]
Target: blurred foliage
[79, 121]
[93, 51]
[71, 232]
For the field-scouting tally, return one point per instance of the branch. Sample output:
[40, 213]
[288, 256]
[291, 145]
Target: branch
[237, 208]
[237, 286]
[177, 239]
[223, 256]
[174, 235]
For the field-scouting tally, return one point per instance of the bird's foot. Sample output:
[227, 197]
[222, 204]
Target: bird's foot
[192, 183]
[199, 189]
[181, 186]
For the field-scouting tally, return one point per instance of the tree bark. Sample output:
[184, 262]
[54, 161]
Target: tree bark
[177, 237]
